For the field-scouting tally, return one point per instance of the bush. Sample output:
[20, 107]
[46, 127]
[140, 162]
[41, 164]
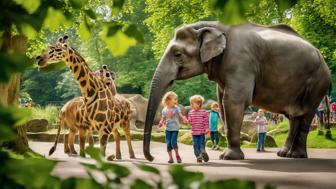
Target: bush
[49, 113]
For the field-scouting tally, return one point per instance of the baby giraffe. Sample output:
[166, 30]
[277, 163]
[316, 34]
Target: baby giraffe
[101, 110]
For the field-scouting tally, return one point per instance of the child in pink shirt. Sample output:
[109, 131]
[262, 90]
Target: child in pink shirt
[199, 120]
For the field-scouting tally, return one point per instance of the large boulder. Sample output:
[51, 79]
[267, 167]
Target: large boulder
[185, 110]
[249, 127]
[139, 104]
[269, 142]
[37, 125]
[207, 104]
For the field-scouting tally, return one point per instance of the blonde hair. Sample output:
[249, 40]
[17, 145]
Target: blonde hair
[168, 96]
[198, 99]
[214, 104]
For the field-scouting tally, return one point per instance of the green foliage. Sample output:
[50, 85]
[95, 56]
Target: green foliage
[230, 183]
[11, 116]
[48, 112]
[12, 63]
[183, 178]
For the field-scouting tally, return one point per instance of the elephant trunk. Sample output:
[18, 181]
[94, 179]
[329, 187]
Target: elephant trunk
[162, 79]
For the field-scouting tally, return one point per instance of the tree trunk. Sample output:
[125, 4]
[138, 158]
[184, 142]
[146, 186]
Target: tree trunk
[10, 91]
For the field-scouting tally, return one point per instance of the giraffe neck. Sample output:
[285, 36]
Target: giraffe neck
[88, 82]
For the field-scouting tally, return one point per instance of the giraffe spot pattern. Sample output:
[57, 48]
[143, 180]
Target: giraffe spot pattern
[100, 117]
[83, 83]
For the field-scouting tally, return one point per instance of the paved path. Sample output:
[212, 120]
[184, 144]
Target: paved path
[319, 171]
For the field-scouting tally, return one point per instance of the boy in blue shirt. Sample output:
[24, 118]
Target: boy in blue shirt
[213, 125]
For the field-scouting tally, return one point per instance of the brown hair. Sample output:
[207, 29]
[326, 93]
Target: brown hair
[168, 96]
[198, 99]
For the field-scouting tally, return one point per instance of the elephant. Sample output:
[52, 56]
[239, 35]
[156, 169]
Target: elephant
[270, 67]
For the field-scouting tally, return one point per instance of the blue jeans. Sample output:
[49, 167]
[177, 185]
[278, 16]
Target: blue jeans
[171, 140]
[261, 141]
[199, 144]
[214, 137]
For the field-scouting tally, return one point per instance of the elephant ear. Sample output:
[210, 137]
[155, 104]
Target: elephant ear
[213, 42]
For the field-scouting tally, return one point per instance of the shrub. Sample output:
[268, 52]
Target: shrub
[48, 112]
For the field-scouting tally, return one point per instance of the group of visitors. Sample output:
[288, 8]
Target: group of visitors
[202, 122]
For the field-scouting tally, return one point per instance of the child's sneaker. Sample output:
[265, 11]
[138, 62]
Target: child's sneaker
[213, 147]
[205, 156]
[178, 159]
[216, 147]
[199, 160]
[171, 161]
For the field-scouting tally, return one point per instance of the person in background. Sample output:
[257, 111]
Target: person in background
[199, 120]
[261, 122]
[214, 117]
[171, 114]
[333, 109]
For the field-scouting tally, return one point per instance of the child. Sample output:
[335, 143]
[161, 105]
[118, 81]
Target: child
[198, 118]
[213, 121]
[261, 121]
[171, 114]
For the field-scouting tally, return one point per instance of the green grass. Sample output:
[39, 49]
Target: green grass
[314, 140]
[48, 112]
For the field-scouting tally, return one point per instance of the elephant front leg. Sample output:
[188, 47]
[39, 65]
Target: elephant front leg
[234, 113]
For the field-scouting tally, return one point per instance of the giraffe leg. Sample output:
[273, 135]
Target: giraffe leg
[66, 143]
[82, 139]
[116, 137]
[90, 138]
[102, 140]
[71, 142]
[129, 140]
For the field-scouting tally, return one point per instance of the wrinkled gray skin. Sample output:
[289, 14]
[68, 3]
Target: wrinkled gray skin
[273, 68]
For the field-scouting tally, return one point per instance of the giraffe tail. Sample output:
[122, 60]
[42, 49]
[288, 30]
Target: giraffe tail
[52, 149]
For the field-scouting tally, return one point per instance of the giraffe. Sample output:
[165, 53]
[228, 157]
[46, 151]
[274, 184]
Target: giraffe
[101, 110]
[70, 110]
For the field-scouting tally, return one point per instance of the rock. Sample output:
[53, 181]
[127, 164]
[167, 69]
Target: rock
[185, 110]
[249, 127]
[269, 142]
[37, 125]
[207, 104]
[250, 117]
[244, 137]
[139, 104]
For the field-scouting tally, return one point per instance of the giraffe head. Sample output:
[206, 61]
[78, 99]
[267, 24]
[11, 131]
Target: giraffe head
[54, 53]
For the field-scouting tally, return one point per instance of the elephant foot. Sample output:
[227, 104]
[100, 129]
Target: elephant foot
[297, 153]
[283, 151]
[232, 154]
[111, 157]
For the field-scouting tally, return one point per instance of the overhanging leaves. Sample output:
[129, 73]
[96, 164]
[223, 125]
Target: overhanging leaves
[12, 63]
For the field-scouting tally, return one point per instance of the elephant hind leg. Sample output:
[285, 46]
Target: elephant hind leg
[296, 143]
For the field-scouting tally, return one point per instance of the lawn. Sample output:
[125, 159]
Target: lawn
[314, 140]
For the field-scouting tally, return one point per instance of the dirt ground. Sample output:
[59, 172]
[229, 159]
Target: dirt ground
[318, 171]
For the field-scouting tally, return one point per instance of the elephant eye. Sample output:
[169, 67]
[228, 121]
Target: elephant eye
[177, 54]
